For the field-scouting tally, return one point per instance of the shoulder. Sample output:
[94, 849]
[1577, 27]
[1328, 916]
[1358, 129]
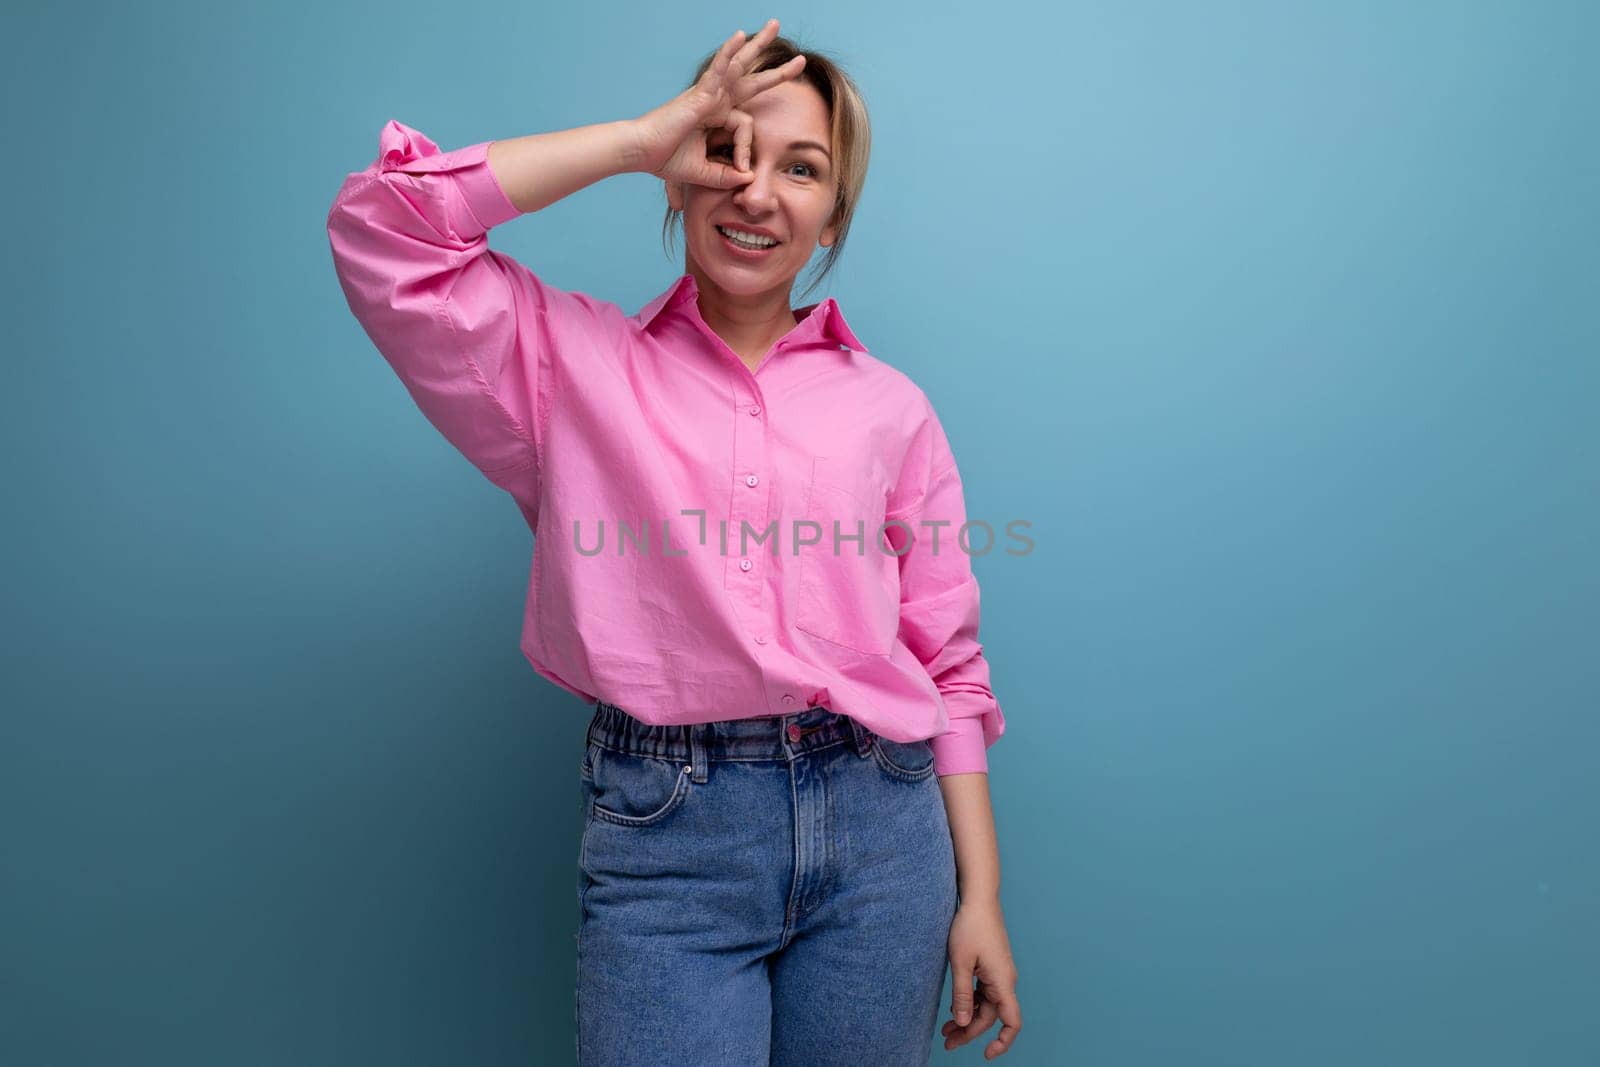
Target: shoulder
[567, 313]
[886, 379]
[897, 394]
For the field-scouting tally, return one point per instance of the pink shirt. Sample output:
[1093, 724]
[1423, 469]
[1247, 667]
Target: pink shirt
[646, 437]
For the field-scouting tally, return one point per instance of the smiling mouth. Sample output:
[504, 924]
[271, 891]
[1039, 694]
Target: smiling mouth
[745, 246]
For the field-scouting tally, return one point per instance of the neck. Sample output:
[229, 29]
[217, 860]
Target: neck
[747, 323]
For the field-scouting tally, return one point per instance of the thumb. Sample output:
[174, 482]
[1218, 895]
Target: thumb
[961, 996]
[721, 176]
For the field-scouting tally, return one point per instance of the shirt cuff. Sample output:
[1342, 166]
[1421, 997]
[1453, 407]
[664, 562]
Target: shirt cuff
[961, 749]
[486, 197]
[402, 148]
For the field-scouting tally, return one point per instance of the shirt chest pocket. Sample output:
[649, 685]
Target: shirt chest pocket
[849, 585]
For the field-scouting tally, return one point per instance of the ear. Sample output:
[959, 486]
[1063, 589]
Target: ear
[675, 195]
[830, 233]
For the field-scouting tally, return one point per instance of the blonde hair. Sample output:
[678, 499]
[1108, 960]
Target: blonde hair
[851, 135]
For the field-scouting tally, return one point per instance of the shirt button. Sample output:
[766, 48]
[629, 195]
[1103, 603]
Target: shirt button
[755, 409]
[794, 732]
[751, 481]
[745, 564]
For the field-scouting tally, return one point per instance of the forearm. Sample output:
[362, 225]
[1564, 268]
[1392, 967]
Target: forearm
[967, 806]
[537, 170]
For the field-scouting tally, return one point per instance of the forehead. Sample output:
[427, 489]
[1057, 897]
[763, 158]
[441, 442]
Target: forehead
[792, 110]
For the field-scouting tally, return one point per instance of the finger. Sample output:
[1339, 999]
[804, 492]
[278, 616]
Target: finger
[1010, 1024]
[719, 62]
[720, 176]
[752, 84]
[982, 1019]
[717, 175]
[743, 125]
[747, 55]
[725, 176]
[961, 991]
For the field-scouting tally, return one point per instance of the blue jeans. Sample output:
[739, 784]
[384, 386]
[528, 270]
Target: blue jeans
[760, 891]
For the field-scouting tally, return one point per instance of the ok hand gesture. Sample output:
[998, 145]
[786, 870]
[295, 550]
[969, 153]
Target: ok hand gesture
[671, 140]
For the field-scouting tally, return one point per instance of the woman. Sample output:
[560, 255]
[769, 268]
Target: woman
[788, 831]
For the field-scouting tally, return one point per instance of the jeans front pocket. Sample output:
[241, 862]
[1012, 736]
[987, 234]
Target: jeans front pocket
[631, 790]
[909, 761]
[849, 590]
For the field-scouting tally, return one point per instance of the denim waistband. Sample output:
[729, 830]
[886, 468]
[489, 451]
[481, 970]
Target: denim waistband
[766, 737]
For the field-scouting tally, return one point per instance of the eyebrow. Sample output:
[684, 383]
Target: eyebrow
[812, 144]
[724, 135]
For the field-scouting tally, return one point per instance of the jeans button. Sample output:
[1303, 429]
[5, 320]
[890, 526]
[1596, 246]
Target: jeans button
[794, 732]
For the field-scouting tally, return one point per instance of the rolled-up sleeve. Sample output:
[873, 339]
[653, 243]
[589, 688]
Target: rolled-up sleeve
[471, 332]
[939, 603]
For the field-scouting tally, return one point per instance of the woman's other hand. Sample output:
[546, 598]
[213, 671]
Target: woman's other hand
[670, 141]
[980, 948]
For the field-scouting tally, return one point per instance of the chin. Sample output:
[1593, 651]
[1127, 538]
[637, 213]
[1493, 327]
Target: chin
[741, 281]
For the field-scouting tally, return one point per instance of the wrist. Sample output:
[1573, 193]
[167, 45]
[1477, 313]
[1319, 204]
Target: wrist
[630, 153]
[979, 896]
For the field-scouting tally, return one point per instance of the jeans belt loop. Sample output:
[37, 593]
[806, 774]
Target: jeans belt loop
[697, 752]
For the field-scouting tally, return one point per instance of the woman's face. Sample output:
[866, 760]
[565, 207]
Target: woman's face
[790, 198]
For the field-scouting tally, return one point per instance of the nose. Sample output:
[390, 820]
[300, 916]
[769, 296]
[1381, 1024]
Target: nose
[756, 195]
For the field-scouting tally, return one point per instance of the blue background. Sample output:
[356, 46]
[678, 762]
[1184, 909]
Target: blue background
[1276, 320]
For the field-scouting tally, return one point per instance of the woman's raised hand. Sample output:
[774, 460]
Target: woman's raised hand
[671, 140]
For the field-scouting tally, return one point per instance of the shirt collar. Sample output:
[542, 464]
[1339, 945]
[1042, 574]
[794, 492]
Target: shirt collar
[820, 323]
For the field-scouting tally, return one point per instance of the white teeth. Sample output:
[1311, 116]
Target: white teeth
[754, 240]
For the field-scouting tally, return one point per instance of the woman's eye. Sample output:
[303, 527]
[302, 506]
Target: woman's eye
[727, 149]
